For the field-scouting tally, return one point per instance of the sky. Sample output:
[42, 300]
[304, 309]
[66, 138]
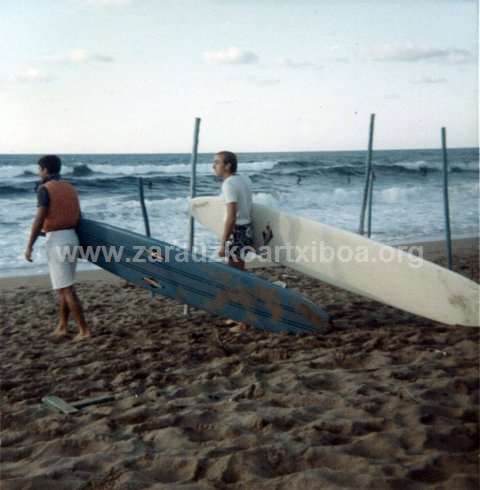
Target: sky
[130, 76]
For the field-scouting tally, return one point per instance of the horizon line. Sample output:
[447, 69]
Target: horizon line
[439, 148]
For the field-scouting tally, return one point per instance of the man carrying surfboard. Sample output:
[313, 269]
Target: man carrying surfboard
[58, 214]
[237, 237]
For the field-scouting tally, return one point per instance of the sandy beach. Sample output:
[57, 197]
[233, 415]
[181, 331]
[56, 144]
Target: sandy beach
[387, 400]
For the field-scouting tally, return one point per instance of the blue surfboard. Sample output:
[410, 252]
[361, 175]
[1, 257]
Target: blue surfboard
[191, 279]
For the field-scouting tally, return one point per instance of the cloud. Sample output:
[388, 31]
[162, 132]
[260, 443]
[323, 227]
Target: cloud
[392, 96]
[78, 56]
[264, 82]
[31, 75]
[430, 80]
[411, 53]
[107, 3]
[297, 65]
[334, 55]
[231, 56]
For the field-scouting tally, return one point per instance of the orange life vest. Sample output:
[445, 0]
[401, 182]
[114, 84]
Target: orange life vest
[63, 208]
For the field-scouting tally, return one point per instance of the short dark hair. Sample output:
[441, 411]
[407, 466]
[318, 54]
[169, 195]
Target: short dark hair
[230, 158]
[52, 163]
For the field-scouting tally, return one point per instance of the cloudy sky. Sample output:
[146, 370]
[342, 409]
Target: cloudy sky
[264, 75]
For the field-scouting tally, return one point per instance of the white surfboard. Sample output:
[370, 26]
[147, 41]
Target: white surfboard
[355, 263]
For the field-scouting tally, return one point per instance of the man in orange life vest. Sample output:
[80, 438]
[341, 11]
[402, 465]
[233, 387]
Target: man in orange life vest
[58, 213]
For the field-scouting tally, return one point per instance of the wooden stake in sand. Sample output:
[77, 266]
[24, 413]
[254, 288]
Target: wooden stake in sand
[144, 208]
[370, 203]
[368, 170]
[193, 191]
[448, 237]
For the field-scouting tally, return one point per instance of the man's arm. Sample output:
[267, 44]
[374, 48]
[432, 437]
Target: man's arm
[229, 225]
[35, 231]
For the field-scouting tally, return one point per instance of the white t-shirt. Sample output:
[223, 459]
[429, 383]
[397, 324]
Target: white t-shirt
[238, 188]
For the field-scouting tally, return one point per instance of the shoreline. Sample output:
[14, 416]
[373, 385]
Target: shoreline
[432, 250]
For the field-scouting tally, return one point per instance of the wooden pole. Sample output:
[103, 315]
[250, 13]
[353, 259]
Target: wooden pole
[448, 237]
[370, 197]
[142, 204]
[368, 168]
[193, 190]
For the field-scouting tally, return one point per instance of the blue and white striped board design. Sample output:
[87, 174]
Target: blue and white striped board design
[215, 287]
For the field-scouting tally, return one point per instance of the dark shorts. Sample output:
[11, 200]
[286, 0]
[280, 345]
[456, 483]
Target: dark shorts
[240, 242]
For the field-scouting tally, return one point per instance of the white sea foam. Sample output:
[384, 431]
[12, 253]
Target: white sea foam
[267, 199]
[415, 165]
[9, 171]
[174, 168]
[397, 194]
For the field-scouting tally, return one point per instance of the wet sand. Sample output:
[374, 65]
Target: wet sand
[388, 400]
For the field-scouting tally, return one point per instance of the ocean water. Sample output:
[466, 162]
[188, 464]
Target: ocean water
[324, 186]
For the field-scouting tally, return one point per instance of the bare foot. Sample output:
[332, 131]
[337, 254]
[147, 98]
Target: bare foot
[239, 328]
[60, 332]
[82, 336]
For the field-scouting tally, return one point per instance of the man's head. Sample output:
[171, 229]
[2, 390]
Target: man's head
[49, 165]
[225, 164]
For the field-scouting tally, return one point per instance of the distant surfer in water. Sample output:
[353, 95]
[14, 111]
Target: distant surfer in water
[237, 238]
[58, 213]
